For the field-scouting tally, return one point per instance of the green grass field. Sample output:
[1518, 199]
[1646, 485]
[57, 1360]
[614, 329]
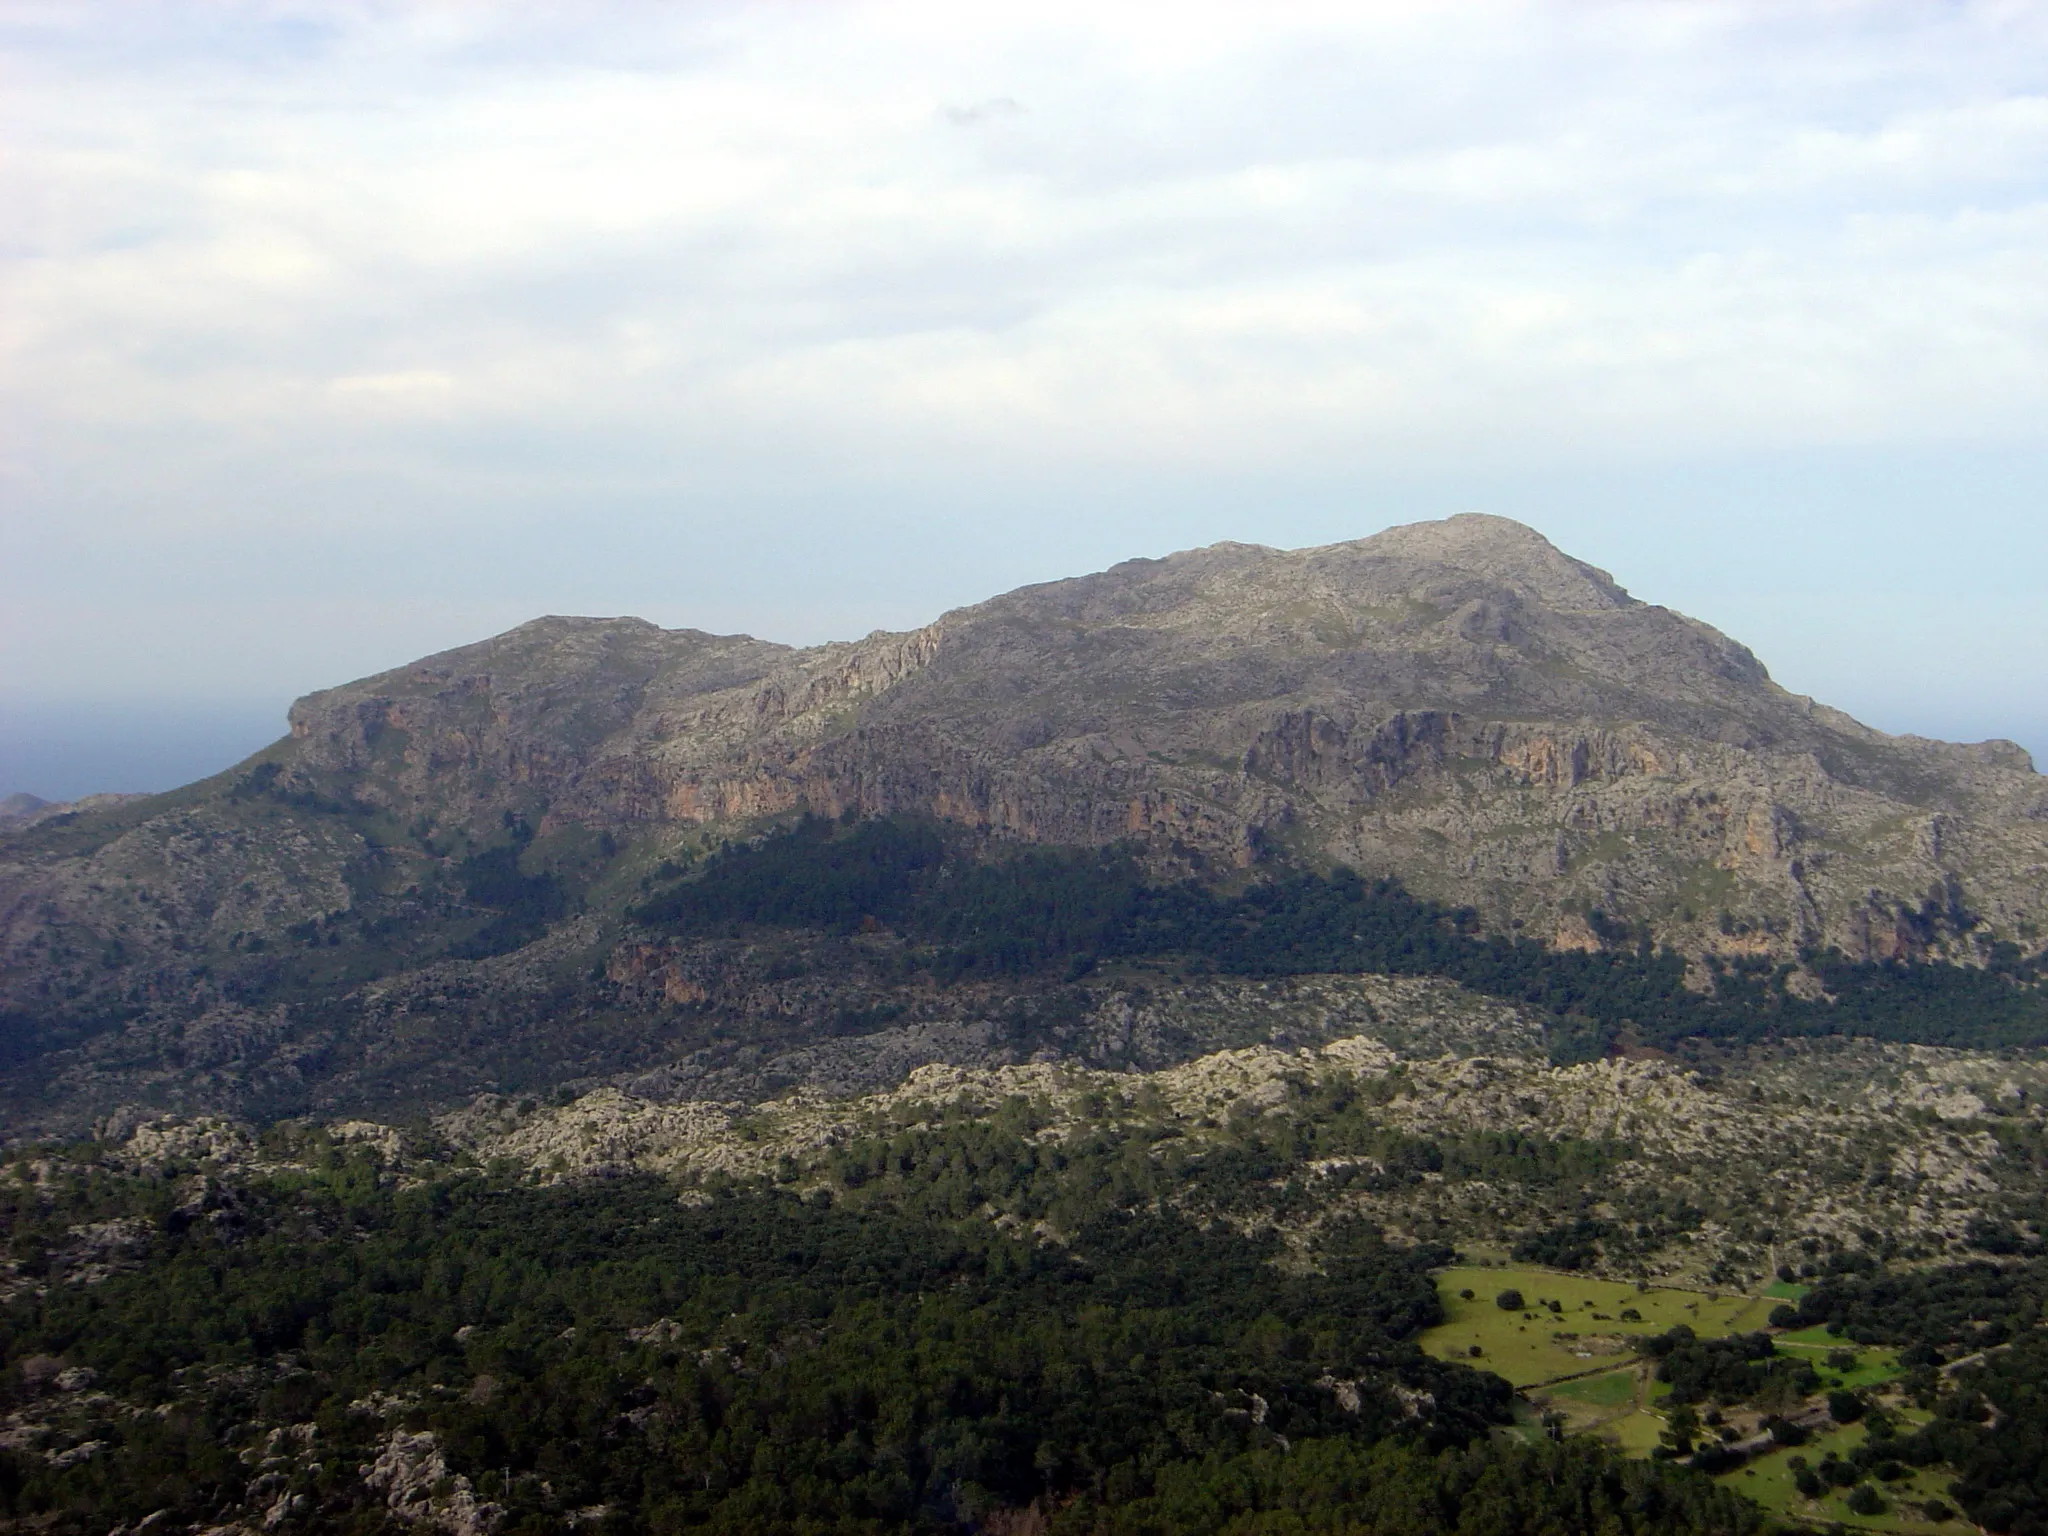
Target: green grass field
[1875, 1364]
[1563, 1353]
[1611, 1390]
[1635, 1433]
[1610, 1406]
[1537, 1345]
[1768, 1480]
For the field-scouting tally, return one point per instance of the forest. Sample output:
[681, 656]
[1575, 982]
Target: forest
[1071, 910]
[749, 1358]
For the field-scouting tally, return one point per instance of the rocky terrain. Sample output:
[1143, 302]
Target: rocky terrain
[1458, 702]
[1430, 1113]
[1914, 1144]
[20, 812]
[421, 893]
[1706, 1175]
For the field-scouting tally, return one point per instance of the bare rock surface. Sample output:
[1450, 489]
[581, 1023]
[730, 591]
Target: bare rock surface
[1900, 1151]
[1458, 704]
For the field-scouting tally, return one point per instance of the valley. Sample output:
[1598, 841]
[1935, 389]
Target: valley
[1623, 1205]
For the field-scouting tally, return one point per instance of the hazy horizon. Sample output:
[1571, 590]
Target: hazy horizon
[341, 333]
[153, 745]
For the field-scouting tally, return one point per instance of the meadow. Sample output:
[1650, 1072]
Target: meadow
[1557, 1355]
[1769, 1480]
[1591, 1324]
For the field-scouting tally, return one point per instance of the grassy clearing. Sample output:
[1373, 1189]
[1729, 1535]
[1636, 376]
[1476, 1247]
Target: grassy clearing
[1528, 1426]
[1785, 1290]
[1563, 1353]
[1611, 1390]
[1537, 1345]
[1768, 1480]
[1635, 1433]
[1875, 1365]
[1612, 1405]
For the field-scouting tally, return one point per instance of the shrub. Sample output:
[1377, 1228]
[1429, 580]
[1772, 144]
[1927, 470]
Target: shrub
[1844, 1407]
[1716, 1459]
[1509, 1300]
[1784, 1432]
[1866, 1500]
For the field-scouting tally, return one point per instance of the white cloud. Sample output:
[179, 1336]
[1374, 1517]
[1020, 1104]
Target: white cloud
[258, 253]
[1642, 238]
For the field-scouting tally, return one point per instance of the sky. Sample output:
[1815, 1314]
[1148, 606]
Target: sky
[332, 335]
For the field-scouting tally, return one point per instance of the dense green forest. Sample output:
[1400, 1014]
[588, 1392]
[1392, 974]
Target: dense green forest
[1983, 1319]
[1036, 909]
[1933, 1314]
[856, 1358]
[1732, 1369]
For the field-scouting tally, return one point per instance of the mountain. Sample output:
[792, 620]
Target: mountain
[20, 808]
[25, 810]
[423, 891]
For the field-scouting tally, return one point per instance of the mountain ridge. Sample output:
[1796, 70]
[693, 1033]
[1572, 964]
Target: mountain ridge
[1221, 696]
[1457, 705]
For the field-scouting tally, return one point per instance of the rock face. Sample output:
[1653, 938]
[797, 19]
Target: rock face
[1456, 703]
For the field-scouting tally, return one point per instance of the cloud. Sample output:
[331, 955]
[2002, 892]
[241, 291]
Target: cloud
[994, 109]
[1201, 235]
[285, 268]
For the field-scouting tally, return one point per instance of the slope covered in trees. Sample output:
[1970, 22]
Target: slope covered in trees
[1042, 908]
[751, 1360]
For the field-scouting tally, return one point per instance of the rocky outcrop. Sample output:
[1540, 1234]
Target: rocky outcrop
[419, 1489]
[1889, 1138]
[1457, 704]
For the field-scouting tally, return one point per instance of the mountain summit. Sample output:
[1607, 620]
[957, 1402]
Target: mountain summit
[1455, 704]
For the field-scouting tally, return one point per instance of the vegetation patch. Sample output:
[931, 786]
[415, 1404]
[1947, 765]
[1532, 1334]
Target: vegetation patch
[1610, 1390]
[748, 1359]
[1593, 1323]
[1774, 1481]
[1043, 907]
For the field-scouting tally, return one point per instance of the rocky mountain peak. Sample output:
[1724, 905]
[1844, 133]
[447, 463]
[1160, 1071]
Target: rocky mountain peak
[1456, 704]
[1476, 547]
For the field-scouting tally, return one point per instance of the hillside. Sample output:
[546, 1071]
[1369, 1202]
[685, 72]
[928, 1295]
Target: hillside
[1044, 1298]
[423, 892]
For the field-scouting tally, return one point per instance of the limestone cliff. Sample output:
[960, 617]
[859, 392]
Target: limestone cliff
[1455, 703]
